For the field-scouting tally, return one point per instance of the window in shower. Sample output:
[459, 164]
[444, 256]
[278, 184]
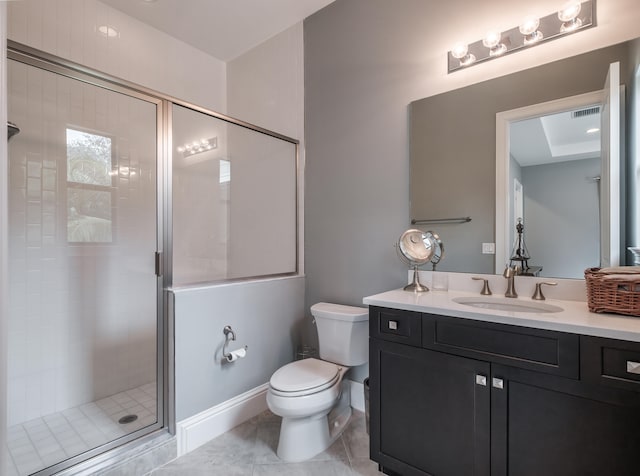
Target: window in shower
[90, 194]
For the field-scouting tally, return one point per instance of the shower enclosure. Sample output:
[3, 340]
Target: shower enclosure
[117, 194]
[85, 320]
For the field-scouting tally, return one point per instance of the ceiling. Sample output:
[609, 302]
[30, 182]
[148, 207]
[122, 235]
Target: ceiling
[556, 138]
[224, 29]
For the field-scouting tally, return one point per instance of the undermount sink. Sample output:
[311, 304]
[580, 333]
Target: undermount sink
[504, 304]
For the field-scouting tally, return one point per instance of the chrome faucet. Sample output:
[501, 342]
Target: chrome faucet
[537, 295]
[510, 273]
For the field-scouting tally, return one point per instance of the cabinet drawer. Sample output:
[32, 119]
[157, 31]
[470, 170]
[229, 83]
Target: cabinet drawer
[611, 362]
[404, 327]
[550, 352]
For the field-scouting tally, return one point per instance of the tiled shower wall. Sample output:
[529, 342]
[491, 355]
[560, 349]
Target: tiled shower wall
[82, 317]
[139, 53]
[143, 55]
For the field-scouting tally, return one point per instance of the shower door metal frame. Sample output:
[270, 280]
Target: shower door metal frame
[105, 455]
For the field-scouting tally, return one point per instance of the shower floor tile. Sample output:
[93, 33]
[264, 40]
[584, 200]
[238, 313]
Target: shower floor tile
[37, 444]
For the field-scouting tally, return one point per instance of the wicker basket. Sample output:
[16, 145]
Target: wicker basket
[606, 293]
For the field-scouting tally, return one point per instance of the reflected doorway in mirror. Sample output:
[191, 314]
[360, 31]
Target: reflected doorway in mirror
[556, 172]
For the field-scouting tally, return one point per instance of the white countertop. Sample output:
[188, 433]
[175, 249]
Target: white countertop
[574, 318]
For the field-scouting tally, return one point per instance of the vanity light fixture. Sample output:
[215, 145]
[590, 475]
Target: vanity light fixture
[572, 17]
[197, 147]
[593, 130]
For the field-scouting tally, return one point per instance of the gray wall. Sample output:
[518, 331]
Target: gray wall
[357, 163]
[265, 316]
[365, 62]
[561, 206]
[357, 170]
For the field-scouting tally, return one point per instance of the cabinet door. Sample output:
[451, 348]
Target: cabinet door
[429, 411]
[548, 425]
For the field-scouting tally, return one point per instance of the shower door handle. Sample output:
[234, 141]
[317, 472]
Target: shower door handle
[158, 258]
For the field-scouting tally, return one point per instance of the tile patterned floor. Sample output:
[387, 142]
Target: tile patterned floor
[39, 443]
[250, 450]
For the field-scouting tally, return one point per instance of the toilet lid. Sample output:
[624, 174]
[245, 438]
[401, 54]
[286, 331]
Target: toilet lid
[306, 374]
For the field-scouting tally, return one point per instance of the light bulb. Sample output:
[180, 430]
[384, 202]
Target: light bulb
[568, 15]
[529, 28]
[529, 25]
[461, 52]
[493, 41]
[569, 11]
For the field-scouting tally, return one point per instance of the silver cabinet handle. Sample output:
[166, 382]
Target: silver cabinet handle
[481, 380]
[633, 367]
[497, 383]
[393, 325]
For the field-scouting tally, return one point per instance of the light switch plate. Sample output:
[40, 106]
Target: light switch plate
[488, 248]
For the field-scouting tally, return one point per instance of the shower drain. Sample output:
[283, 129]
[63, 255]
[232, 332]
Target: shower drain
[127, 419]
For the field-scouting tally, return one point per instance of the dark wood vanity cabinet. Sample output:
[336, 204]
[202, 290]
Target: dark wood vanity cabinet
[456, 397]
[429, 413]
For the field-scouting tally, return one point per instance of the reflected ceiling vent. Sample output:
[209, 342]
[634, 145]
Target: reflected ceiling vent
[590, 111]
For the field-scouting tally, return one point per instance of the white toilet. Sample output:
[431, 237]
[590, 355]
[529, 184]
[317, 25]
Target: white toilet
[309, 394]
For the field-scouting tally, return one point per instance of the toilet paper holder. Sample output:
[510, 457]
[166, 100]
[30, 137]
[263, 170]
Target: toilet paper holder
[234, 355]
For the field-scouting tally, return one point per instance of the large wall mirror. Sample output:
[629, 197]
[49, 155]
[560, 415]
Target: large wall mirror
[518, 145]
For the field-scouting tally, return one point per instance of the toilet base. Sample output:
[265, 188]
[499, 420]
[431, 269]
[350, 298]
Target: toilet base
[304, 438]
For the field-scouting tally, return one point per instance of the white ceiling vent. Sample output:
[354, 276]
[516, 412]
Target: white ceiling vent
[590, 111]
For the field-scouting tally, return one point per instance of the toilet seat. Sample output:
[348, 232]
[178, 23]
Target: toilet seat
[304, 377]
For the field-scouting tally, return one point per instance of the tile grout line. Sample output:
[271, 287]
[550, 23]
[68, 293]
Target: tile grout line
[13, 462]
[84, 417]
[33, 445]
[56, 437]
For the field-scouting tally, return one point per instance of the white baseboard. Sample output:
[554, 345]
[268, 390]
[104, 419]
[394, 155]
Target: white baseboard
[195, 431]
[357, 396]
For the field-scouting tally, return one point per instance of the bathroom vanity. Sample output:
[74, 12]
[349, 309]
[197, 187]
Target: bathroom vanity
[457, 390]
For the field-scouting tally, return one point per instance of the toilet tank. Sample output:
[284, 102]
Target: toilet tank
[343, 333]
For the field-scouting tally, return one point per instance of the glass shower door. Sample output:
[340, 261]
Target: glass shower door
[83, 291]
